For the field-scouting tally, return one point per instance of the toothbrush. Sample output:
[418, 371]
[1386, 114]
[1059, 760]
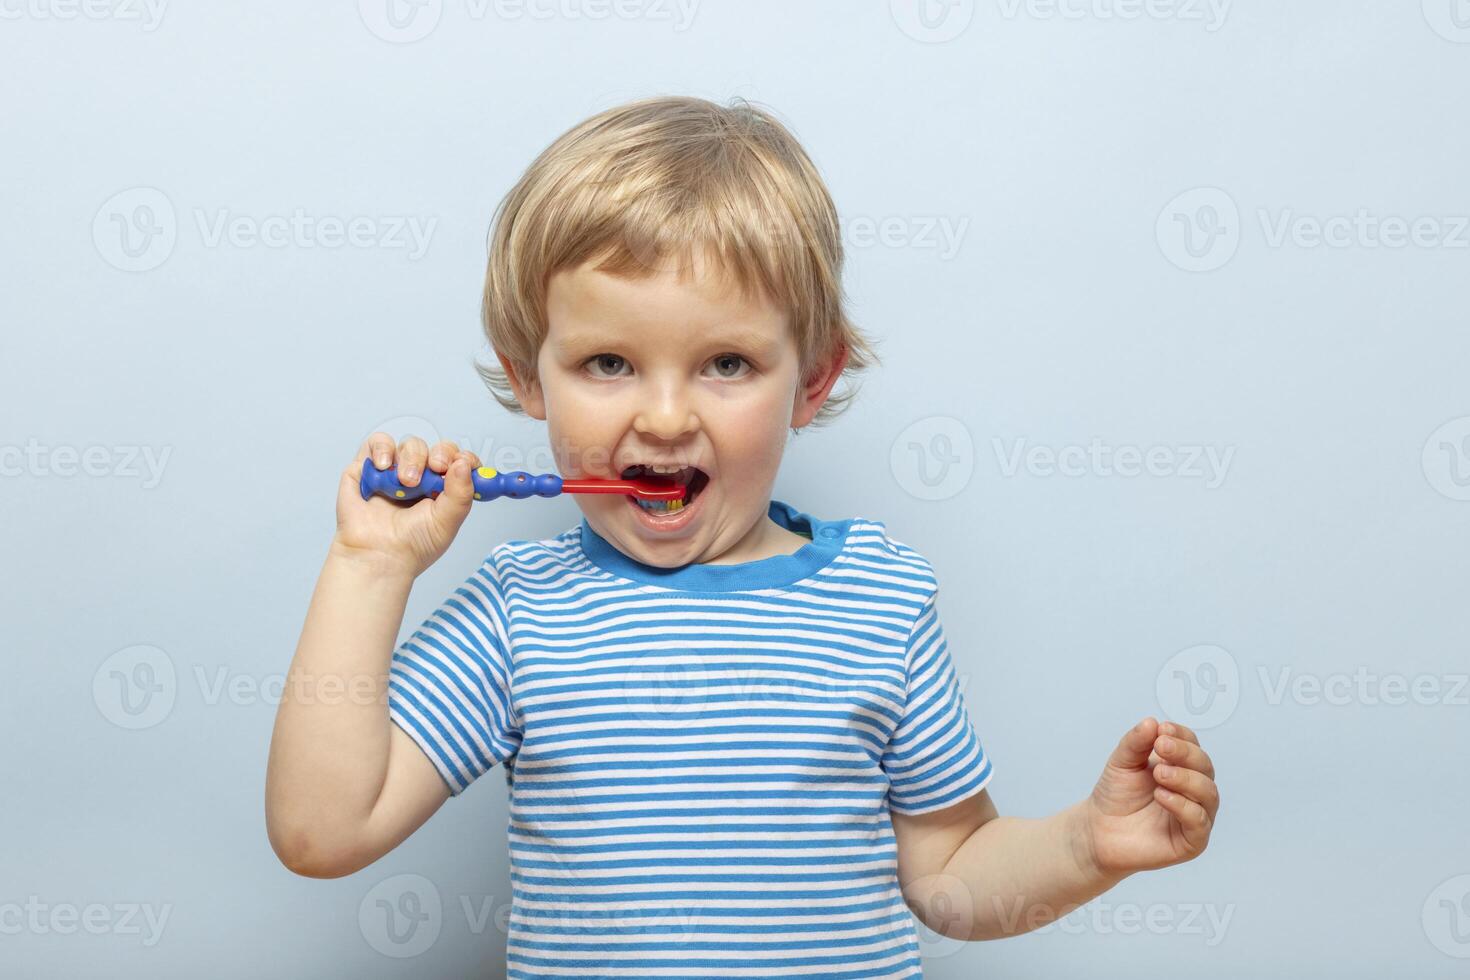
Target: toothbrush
[490, 484]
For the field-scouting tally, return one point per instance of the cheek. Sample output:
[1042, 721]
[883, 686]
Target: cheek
[752, 428]
[583, 430]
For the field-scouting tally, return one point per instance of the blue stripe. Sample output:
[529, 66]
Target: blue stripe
[909, 969]
[898, 919]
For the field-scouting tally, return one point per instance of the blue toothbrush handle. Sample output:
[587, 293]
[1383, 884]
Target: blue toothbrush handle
[489, 484]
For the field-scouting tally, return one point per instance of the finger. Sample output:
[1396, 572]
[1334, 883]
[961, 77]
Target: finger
[473, 459]
[379, 446]
[443, 453]
[1182, 731]
[1189, 755]
[352, 472]
[1194, 822]
[1133, 748]
[1194, 785]
[413, 452]
[451, 506]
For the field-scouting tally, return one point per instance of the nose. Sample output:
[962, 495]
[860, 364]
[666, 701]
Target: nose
[666, 415]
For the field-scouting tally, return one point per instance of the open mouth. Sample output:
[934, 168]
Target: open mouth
[691, 478]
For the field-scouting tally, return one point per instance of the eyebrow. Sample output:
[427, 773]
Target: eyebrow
[749, 340]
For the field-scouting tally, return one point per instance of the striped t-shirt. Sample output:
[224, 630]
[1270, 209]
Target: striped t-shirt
[701, 760]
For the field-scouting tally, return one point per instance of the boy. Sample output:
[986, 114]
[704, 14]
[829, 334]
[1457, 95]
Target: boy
[739, 747]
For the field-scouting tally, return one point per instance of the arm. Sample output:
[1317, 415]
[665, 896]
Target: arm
[344, 784]
[971, 874]
[967, 872]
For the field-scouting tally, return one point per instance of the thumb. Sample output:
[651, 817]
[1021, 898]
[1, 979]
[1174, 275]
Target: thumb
[453, 504]
[1134, 747]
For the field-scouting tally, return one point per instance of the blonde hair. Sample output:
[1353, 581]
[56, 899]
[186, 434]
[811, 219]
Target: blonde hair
[663, 178]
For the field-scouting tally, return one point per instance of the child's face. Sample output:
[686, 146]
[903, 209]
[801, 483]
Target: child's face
[658, 370]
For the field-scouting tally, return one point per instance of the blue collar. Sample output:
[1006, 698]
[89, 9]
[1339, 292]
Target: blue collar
[828, 539]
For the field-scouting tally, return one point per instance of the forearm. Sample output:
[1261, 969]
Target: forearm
[330, 747]
[1012, 875]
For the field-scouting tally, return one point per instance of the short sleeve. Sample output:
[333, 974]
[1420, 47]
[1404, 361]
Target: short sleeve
[449, 684]
[934, 758]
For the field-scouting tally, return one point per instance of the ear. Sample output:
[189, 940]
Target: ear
[527, 391]
[811, 396]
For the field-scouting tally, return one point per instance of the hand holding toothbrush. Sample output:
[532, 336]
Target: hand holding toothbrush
[414, 537]
[403, 539]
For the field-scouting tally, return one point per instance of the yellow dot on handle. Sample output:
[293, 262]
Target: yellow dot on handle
[397, 493]
[478, 497]
[486, 472]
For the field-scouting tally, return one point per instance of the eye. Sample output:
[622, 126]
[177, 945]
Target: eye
[601, 360]
[726, 365]
[722, 359]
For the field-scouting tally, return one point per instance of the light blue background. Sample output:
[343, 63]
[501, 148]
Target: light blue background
[1334, 542]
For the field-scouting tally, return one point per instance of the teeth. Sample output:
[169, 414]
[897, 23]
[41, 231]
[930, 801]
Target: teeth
[682, 474]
